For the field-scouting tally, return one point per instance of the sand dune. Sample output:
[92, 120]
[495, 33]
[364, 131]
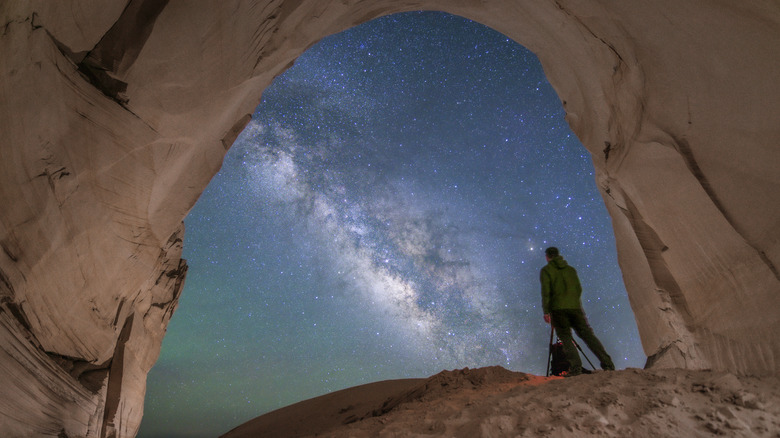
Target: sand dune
[495, 402]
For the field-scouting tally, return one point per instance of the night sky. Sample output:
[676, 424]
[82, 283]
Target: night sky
[384, 216]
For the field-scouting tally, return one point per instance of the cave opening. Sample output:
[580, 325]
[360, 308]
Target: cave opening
[384, 215]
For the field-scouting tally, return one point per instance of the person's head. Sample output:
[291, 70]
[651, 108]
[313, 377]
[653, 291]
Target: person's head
[551, 253]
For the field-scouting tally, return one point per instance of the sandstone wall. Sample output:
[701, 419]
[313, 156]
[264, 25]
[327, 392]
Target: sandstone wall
[115, 116]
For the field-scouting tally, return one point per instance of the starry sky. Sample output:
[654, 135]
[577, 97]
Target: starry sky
[384, 215]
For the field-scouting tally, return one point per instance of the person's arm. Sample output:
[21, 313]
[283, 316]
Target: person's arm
[544, 278]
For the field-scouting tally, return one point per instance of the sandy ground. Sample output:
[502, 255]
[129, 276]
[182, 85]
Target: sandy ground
[495, 402]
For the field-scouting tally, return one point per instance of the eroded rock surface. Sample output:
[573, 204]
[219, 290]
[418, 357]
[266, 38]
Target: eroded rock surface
[494, 402]
[115, 116]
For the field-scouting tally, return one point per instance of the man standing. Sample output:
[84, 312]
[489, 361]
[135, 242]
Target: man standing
[561, 291]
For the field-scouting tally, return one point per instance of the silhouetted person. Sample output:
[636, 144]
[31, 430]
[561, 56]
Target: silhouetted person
[561, 291]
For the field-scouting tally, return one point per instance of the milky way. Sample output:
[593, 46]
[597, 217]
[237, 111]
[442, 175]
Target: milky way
[384, 215]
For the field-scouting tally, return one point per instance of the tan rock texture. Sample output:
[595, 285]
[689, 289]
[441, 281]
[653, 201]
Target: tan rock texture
[493, 402]
[116, 114]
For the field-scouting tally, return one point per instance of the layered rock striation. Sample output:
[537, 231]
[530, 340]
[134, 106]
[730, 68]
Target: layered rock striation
[115, 115]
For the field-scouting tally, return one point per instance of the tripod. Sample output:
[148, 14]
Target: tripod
[550, 351]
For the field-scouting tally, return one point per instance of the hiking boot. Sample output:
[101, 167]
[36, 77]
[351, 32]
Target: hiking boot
[607, 366]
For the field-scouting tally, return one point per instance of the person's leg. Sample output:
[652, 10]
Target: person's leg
[580, 325]
[562, 326]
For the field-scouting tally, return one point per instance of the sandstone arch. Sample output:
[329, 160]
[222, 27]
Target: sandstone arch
[116, 115]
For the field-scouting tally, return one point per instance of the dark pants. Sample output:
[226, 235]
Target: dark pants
[566, 319]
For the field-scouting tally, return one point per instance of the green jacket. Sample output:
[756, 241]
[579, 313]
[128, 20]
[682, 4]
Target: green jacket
[561, 287]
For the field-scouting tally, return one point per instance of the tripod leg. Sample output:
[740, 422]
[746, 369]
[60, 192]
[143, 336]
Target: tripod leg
[583, 353]
[549, 350]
